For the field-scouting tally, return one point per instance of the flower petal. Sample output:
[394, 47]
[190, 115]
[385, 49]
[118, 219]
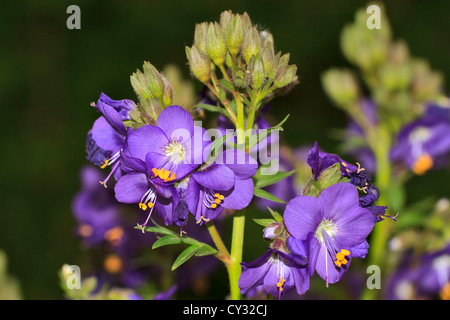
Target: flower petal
[131, 187]
[175, 121]
[106, 137]
[240, 196]
[215, 177]
[302, 216]
[146, 139]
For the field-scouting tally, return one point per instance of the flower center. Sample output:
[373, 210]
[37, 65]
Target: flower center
[419, 135]
[213, 200]
[175, 151]
[340, 257]
[327, 226]
[164, 174]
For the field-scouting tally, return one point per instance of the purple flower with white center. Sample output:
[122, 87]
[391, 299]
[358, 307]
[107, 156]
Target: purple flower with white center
[333, 227]
[95, 210]
[174, 144]
[225, 184]
[151, 188]
[425, 143]
[277, 271]
[108, 134]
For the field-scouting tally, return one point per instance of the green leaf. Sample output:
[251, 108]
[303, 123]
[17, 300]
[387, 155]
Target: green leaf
[211, 108]
[262, 134]
[278, 217]
[260, 193]
[267, 180]
[166, 240]
[264, 222]
[157, 229]
[227, 85]
[184, 256]
[205, 250]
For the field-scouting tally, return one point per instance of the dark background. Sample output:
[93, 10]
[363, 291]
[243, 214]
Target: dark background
[49, 75]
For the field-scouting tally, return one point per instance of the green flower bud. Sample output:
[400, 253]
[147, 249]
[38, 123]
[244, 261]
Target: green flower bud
[251, 45]
[235, 35]
[216, 45]
[285, 76]
[267, 55]
[273, 230]
[168, 92]
[225, 18]
[201, 36]
[241, 78]
[257, 72]
[199, 64]
[341, 86]
[139, 85]
[246, 22]
[154, 80]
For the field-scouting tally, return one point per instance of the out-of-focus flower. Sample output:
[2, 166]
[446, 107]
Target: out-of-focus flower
[424, 144]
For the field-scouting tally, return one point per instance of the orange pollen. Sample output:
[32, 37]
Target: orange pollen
[114, 235]
[445, 292]
[280, 284]
[422, 164]
[112, 264]
[340, 257]
[164, 174]
[85, 230]
[105, 164]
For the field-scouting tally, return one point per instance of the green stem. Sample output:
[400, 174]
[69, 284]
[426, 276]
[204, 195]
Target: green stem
[382, 231]
[237, 246]
[223, 255]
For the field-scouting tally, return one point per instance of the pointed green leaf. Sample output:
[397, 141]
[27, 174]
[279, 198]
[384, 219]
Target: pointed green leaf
[205, 250]
[166, 240]
[264, 222]
[260, 193]
[278, 217]
[184, 256]
[267, 180]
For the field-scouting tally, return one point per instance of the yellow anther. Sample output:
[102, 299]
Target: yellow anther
[344, 261]
[150, 205]
[218, 201]
[344, 164]
[345, 252]
[422, 164]
[217, 195]
[164, 174]
[340, 256]
[142, 206]
[338, 263]
[105, 164]
[221, 197]
[359, 168]
[280, 284]
[213, 205]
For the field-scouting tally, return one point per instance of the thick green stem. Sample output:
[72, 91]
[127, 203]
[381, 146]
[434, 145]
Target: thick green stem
[223, 251]
[382, 231]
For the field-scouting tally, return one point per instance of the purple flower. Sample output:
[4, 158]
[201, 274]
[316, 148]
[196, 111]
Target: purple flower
[430, 279]
[170, 144]
[151, 188]
[332, 227]
[277, 271]
[107, 137]
[95, 210]
[425, 143]
[225, 184]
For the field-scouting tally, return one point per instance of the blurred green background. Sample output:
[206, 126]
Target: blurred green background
[49, 75]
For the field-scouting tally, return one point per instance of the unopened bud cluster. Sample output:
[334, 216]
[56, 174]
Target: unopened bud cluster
[154, 92]
[236, 45]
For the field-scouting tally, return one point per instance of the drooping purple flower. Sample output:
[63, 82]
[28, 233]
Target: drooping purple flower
[277, 272]
[147, 186]
[173, 144]
[107, 137]
[333, 228]
[224, 184]
[425, 143]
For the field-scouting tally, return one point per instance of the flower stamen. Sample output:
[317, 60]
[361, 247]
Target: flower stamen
[341, 257]
[164, 174]
[422, 164]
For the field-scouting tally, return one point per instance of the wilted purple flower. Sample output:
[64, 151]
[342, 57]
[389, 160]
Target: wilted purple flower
[107, 137]
[425, 143]
[332, 227]
[170, 144]
[319, 161]
[225, 183]
[277, 271]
